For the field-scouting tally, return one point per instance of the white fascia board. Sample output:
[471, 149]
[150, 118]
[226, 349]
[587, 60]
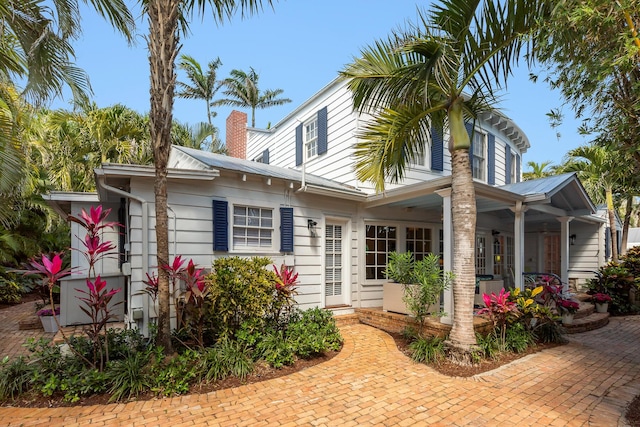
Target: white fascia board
[149, 172]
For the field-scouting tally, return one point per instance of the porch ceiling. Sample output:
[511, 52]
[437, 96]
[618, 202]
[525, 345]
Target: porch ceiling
[546, 199]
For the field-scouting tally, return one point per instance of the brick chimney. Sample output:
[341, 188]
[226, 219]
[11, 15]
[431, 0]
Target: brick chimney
[236, 135]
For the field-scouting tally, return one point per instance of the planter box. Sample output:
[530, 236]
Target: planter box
[392, 294]
[49, 323]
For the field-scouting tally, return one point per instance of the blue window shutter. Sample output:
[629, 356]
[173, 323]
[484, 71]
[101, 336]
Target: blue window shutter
[507, 165]
[299, 144]
[517, 168]
[322, 131]
[220, 225]
[265, 156]
[491, 161]
[286, 229]
[607, 243]
[437, 149]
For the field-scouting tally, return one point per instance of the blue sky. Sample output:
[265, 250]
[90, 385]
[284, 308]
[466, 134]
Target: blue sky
[299, 46]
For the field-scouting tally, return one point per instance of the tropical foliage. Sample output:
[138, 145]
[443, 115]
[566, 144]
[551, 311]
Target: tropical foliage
[242, 91]
[439, 73]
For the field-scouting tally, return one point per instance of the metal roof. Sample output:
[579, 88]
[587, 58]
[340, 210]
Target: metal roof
[219, 161]
[561, 191]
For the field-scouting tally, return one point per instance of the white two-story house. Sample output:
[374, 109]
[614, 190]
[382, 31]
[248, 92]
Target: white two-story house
[290, 192]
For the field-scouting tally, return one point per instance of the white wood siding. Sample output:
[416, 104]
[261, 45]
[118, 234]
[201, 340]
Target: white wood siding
[342, 126]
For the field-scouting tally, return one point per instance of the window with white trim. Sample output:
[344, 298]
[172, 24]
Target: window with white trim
[259, 159]
[311, 138]
[252, 227]
[479, 156]
[513, 168]
[380, 240]
[418, 241]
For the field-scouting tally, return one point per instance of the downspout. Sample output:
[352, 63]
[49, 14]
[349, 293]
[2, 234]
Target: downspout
[145, 238]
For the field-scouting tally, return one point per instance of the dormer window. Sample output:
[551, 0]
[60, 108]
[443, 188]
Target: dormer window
[479, 156]
[311, 139]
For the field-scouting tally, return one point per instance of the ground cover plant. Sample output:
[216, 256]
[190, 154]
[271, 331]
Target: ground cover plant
[620, 281]
[239, 319]
[523, 322]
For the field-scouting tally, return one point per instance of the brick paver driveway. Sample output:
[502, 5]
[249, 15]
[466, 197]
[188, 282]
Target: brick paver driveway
[588, 382]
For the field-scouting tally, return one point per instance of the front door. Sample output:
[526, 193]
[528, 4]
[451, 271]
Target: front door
[334, 271]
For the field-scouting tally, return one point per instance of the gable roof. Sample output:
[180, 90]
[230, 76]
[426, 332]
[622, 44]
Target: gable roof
[563, 191]
[308, 182]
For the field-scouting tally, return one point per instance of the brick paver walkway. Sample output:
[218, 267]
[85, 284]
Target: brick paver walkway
[586, 383]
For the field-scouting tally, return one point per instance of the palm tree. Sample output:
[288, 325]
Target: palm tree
[168, 19]
[415, 80]
[243, 92]
[601, 170]
[203, 84]
[538, 170]
[38, 48]
[202, 136]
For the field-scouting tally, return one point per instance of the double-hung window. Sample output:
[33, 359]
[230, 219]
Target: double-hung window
[513, 168]
[252, 227]
[311, 138]
[478, 158]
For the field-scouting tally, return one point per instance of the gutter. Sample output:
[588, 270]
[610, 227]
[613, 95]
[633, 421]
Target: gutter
[321, 191]
[145, 234]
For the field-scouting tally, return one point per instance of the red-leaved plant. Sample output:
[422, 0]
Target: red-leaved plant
[98, 298]
[190, 298]
[501, 311]
[284, 290]
[97, 301]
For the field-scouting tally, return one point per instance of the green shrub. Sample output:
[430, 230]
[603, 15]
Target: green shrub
[518, 338]
[427, 349]
[240, 289]
[15, 377]
[314, 333]
[275, 349]
[489, 346]
[227, 358]
[430, 282]
[400, 267]
[128, 377]
[10, 291]
[176, 375]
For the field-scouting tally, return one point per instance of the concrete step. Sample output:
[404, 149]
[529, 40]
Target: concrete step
[587, 323]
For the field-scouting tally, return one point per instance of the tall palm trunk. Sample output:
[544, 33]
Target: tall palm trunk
[612, 224]
[163, 49]
[462, 338]
[463, 207]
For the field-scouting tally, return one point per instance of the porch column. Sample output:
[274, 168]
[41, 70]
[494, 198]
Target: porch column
[518, 244]
[564, 251]
[447, 251]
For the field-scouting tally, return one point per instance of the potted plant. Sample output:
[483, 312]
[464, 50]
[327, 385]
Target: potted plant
[400, 271]
[48, 319]
[568, 309]
[601, 301]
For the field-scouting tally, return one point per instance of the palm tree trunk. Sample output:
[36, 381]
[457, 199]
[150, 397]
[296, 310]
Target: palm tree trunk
[612, 224]
[462, 339]
[163, 49]
[463, 208]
